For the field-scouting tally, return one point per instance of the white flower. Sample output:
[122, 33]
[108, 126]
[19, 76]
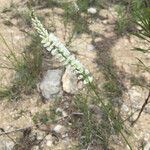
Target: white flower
[92, 10]
[59, 56]
[80, 77]
[50, 47]
[44, 39]
[54, 51]
[52, 44]
[47, 44]
[76, 6]
[88, 80]
[86, 71]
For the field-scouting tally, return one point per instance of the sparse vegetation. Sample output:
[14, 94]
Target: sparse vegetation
[27, 69]
[123, 21]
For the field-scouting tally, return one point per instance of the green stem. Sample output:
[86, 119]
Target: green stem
[126, 140]
[108, 114]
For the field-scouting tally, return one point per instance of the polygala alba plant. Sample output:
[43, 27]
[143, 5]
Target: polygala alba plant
[53, 45]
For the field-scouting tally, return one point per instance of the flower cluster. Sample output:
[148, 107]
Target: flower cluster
[53, 45]
[76, 6]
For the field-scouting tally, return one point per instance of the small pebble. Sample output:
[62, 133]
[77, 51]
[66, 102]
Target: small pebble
[92, 10]
[59, 128]
[90, 47]
[49, 143]
[48, 137]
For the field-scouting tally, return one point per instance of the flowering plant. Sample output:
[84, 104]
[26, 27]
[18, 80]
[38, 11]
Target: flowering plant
[53, 45]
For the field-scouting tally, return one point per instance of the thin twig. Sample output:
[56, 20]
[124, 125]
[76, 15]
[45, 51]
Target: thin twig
[143, 107]
[23, 129]
[16, 130]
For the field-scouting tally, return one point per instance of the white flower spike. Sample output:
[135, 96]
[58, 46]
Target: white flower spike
[53, 45]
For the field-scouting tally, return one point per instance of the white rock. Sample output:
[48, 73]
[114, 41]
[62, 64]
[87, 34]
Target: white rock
[48, 137]
[59, 129]
[65, 135]
[147, 147]
[105, 22]
[92, 10]
[69, 81]
[51, 84]
[49, 143]
[40, 135]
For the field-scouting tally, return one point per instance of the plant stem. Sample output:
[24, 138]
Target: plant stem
[108, 114]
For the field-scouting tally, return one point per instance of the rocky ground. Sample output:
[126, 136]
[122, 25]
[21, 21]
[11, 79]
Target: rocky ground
[57, 81]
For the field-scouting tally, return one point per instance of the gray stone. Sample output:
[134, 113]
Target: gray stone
[51, 84]
[69, 81]
[6, 145]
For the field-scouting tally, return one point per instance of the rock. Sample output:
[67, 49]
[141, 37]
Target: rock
[48, 137]
[90, 47]
[40, 135]
[92, 10]
[147, 146]
[66, 141]
[6, 145]
[105, 22]
[49, 143]
[69, 81]
[59, 129]
[137, 95]
[51, 84]
[125, 108]
[65, 135]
